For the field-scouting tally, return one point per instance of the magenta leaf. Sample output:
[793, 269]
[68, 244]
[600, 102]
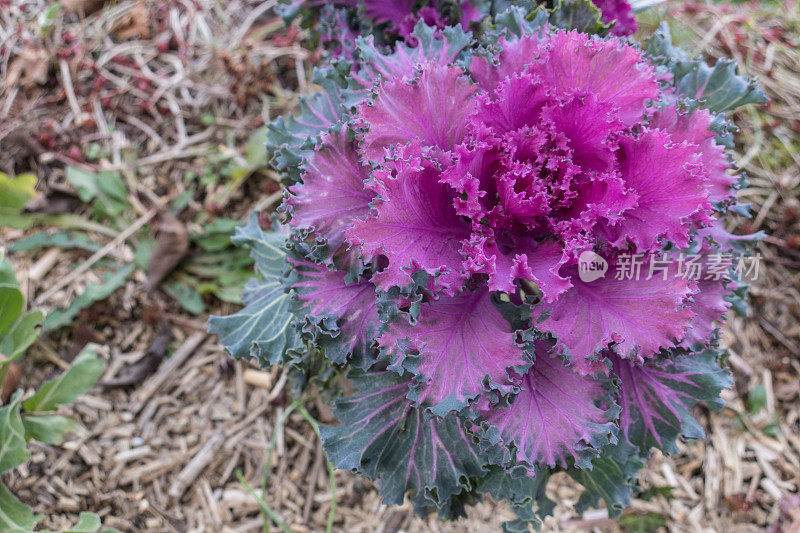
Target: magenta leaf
[619, 12]
[332, 193]
[694, 128]
[433, 107]
[656, 398]
[526, 259]
[458, 347]
[340, 317]
[639, 316]
[414, 224]
[559, 418]
[616, 73]
[669, 183]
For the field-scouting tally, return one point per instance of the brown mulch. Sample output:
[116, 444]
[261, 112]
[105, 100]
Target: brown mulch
[163, 454]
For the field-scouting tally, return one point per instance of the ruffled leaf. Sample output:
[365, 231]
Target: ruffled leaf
[527, 260]
[433, 107]
[639, 316]
[262, 330]
[656, 398]
[414, 224]
[612, 70]
[332, 193]
[694, 127]
[342, 318]
[440, 48]
[386, 438]
[556, 419]
[525, 494]
[610, 480]
[718, 88]
[458, 347]
[669, 183]
[709, 304]
[292, 139]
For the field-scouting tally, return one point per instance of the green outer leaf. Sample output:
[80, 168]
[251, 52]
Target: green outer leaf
[292, 138]
[14, 516]
[13, 450]
[609, 480]
[263, 329]
[656, 398]
[50, 429]
[522, 492]
[93, 293]
[7, 275]
[718, 88]
[22, 335]
[581, 15]
[77, 379]
[386, 438]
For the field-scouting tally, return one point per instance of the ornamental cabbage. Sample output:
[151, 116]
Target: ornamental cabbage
[441, 200]
[334, 24]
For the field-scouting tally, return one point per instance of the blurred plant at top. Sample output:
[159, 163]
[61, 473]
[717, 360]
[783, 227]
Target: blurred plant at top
[336, 25]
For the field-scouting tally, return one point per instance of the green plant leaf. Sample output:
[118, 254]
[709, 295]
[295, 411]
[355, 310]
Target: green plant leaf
[24, 333]
[524, 493]
[610, 480]
[187, 296]
[11, 304]
[87, 523]
[757, 399]
[62, 239]
[717, 88]
[15, 517]
[656, 398]
[263, 329]
[50, 429]
[386, 438]
[77, 379]
[16, 192]
[581, 15]
[105, 190]
[93, 293]
[643, 523]
[13, 450]
[256, 151]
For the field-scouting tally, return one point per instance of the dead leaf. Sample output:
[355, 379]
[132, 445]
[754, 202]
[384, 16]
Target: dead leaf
[29, 68]
[57, 198]
[134, 24]
[144, 367]
[82, 7]
[82, 335]
[172, 243]
[11, 380]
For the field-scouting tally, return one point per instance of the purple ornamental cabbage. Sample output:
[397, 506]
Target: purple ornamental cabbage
[342, 21]
[438, 205]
